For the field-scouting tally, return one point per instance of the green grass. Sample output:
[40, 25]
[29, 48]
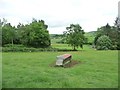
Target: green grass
[66, 46]
[98, 69]
[55, 40]
[90, 36]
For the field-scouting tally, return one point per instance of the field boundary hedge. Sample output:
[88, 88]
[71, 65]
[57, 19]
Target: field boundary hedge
[21, 48]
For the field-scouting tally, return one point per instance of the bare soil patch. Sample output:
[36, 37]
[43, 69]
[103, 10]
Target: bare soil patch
[68, 65]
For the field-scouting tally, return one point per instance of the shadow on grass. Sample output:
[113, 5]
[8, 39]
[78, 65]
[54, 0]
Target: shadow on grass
[68, 65]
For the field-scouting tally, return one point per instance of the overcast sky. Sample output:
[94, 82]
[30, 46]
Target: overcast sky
[58, 14]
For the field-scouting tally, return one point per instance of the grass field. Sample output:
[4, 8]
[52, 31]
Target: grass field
[90, 36]
[55, 40]
[97, 69]
[66, 46]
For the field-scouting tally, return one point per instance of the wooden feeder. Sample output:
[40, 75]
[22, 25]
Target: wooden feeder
[63, 59]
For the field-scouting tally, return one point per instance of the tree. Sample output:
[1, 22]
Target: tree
[2, 23]
[35, 34]
[8, 34]
[117, 25]
[74, 36]
[103, 43]
[110, 31]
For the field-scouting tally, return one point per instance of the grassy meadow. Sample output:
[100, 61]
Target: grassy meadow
[97, 69]
[68, 47]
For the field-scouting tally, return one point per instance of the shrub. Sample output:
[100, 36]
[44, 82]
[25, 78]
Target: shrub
[14, 45]
[22, 48]
[103, 43]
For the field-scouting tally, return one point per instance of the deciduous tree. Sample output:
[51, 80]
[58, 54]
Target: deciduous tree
[74, 36]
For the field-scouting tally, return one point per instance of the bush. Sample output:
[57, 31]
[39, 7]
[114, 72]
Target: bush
[103, 43]
[14, 45]
[22, 48]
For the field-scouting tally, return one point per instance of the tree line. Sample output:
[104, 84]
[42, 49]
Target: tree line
[107, 37]
[35, 34]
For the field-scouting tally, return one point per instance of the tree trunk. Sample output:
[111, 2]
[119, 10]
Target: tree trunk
[74, 48]
[12, 42]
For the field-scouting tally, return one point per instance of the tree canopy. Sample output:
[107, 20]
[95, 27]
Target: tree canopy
[34, 34]
[74, 36]
[103, 43]
[111, 32]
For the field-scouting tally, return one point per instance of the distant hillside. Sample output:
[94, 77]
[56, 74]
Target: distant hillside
[55, 35]
[55, 38]
[90, 35]
[91, 32]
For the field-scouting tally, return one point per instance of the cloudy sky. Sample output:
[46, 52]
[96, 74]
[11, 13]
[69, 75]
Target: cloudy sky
[58, 14]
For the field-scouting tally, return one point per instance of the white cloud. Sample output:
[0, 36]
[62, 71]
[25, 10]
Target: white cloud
[57, 30]
[58, 14]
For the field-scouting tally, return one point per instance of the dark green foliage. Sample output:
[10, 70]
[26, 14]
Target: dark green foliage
[22, 48]
[118, 44]
[34, 34]
[1, 23]
[103, 43]
[8, 34]
[74, 36]
[111, 32]
[117, 24]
